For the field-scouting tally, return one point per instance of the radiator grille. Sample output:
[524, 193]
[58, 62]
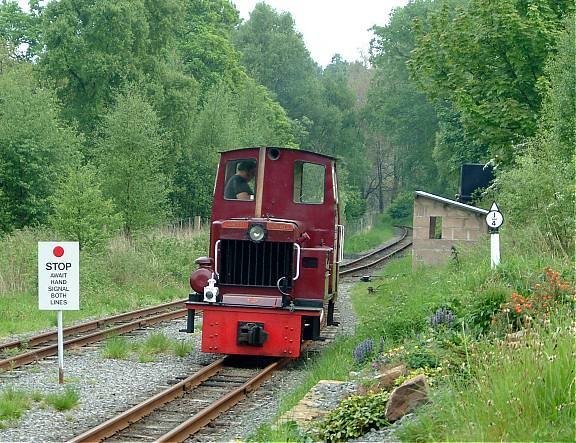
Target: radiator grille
[246, 263]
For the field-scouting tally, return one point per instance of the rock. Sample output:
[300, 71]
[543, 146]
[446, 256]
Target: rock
[325, 396]
[384, 380]
[387, 377]
[406, 397]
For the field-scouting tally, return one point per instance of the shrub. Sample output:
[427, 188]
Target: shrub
[354, 417]
[485, 306]
[402, 206]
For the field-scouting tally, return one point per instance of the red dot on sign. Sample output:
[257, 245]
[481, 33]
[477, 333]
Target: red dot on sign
[58, 251]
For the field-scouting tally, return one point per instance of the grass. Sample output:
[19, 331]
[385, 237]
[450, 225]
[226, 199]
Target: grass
[146, 350]
[151, 269]
[63, 401]
[516, 394]
[364, 241]
[13, 403]
[483, 388]
[116, 347]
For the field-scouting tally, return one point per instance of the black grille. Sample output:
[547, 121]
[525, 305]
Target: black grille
[245, 263]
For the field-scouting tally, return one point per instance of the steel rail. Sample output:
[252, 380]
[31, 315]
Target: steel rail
[206, 415]
[379, 250]
[139, 411]
[47, 351]
[377, 261]
[88, 326]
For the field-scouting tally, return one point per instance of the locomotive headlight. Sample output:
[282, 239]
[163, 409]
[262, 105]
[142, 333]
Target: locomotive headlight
[257, 233]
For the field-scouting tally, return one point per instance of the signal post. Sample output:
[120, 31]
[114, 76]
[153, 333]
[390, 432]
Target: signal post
[59, 285]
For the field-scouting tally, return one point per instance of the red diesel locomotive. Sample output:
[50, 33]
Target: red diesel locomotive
[276, 242]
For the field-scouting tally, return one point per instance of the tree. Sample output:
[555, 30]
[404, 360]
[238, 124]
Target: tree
[81, 213]
[20, 31]
[400, 123]
[275, 55]
[35, 148]
[486, 59]
[94, 48]
[129, 158]
[539, 190]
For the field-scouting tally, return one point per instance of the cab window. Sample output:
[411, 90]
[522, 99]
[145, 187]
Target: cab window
[308, 182]
[240, 179]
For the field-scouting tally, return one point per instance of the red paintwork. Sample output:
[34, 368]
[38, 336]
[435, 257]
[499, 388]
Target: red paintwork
[219, 327]
[312, 226]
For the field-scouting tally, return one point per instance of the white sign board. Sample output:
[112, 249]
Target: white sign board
[58, 276]
[494, 218]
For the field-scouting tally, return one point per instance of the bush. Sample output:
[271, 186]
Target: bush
[401, 207]
[485, 306]
[354, 417]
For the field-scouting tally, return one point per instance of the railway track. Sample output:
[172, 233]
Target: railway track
[180, 411]
[20, 352]
[376, 257]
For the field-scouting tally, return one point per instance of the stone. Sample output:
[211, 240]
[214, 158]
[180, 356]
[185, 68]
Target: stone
[406, 397]
[325, 396]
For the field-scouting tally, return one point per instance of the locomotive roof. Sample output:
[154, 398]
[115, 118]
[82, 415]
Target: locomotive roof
[282, 148]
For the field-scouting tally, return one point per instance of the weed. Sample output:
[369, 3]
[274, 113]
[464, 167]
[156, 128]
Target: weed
[13, 403]
[156, 343]
[63, 401]
[182, 348]
[116, 347]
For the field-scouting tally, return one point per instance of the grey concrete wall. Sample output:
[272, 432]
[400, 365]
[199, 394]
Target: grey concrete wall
[458, 226]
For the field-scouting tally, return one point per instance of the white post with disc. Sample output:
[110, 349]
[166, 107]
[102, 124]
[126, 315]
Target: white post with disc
[494, 219]
[59, 285]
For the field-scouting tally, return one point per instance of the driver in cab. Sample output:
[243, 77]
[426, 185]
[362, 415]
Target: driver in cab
[237, 187]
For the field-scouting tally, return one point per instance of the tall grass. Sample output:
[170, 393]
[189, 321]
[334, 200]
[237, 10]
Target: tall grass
[364, 241]
[128, 274]
[13, 403]
[486, 389]
[519, 392]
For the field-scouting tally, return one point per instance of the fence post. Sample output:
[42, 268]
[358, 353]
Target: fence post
[197, 223]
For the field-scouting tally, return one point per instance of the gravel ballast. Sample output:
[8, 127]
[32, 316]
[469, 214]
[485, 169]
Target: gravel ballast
[107, 387]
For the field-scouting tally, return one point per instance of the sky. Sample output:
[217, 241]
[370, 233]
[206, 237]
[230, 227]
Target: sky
[329, 27]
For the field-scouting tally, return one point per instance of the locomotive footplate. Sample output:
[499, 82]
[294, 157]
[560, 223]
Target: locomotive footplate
[276, 332]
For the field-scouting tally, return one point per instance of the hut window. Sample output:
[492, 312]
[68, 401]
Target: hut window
[435, 228]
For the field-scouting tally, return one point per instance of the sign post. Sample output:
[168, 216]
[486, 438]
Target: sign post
[59, 285]
[494, 219]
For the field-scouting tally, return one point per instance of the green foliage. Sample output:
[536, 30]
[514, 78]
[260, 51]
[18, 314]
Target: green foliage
[402, 206]
[485, 305]
[395, 103]
[498, 102]
[539, 190]
[13, 404]
[354, 417]
[94, 48]
[129, 158]
[63, 401]
[36, 148]
[80, 211]
[116, 348]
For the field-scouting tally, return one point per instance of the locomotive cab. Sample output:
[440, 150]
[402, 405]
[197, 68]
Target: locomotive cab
[271, 278]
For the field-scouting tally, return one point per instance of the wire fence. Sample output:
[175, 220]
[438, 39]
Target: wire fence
[183, 227]
[362, 224]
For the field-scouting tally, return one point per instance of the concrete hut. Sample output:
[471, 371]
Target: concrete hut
[440, 225]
